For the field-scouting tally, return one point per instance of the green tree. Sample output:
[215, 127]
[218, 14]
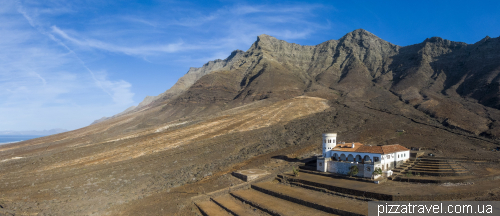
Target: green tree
[353, 170]
[377, 171]
[295, 171]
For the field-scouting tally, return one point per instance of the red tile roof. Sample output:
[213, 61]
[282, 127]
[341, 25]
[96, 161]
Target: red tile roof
[347, 147]
[358, 147]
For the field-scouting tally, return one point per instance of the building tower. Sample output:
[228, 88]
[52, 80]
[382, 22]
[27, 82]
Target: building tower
[329, 142]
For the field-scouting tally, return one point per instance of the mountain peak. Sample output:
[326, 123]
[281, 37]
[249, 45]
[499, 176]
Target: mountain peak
[363, 39]
[360, 34]
[485, 39]
[233, 54]
[434, 39]
[265, 37]
[361, 31]
[267, 42]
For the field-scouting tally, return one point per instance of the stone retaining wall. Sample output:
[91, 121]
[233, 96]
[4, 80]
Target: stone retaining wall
[328, 209]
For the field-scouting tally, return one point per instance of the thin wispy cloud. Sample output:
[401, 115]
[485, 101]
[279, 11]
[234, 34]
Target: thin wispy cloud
[139, 20]
[118, 90]
[228, 23]
[95, 58]
[128, 50]
[66, 63]
[39, 74]
[276, 9]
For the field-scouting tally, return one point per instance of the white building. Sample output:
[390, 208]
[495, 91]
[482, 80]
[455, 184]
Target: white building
[338, 158]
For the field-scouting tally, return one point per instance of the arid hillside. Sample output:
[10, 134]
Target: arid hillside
[433, 76]
[272, 101]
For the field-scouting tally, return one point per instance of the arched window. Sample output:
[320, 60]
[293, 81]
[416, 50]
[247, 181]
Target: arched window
[350, 157]
[358, 158]
[367, 158]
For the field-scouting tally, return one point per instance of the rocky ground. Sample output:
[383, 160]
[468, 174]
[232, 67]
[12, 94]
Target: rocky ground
[86, 178]
[266, 105]
[162, 168]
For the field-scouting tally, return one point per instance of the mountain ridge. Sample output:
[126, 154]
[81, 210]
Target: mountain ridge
[182, 84]
[273, 68]
[430, 75]
[268, 106]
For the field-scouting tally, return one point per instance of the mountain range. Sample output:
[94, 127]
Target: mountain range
[256, 109]
[454, 82]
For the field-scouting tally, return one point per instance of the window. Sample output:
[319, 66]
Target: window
[375, 159]
[398, 156]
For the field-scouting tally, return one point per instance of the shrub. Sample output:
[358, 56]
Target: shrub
[295, 171]
[353, 170]
[377, 171]
[409, 174]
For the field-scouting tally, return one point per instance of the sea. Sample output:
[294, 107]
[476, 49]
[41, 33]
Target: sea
[4, 139]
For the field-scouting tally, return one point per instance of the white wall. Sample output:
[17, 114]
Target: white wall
[386, 163]
[371, 155]
[329, 142]
[393, 160]
[322, 164]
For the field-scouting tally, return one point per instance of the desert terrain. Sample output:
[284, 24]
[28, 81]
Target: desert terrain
[264, 108]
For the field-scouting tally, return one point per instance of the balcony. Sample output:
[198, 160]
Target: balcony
[357, 162]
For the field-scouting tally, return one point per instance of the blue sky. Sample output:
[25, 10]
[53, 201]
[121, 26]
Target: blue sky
[65, 63]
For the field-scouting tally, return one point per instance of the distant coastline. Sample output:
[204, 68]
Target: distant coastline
[8, 139]
[1, 143]
[32, 132]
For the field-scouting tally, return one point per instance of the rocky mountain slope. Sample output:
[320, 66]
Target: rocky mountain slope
[455, 83]
[182, 84]
[272, 101]
[431, 76]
